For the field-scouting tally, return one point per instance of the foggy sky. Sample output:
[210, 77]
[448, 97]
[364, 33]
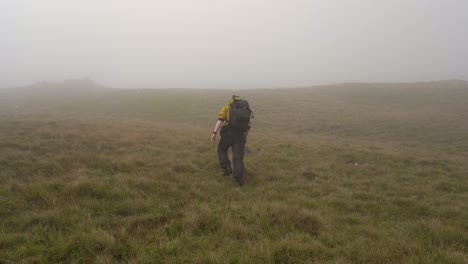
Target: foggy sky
[232, 44]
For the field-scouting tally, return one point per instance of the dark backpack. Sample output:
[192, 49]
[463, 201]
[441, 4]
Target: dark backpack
[240, 114]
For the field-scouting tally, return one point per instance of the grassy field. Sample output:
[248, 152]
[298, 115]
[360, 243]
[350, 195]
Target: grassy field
[354, 173]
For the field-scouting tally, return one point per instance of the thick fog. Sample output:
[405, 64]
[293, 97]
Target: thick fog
[227, 44]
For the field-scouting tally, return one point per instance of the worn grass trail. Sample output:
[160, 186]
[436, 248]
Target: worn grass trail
[95, 189]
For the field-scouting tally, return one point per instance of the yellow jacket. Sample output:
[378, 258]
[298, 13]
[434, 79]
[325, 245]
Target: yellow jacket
[224, 112]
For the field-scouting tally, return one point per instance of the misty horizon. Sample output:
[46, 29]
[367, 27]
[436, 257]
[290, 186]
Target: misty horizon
[90, 84]
[232, 44]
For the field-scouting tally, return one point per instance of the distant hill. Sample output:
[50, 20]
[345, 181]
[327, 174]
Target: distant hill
[72, 86]
[53, 90]
[455, 83]
[46, 92]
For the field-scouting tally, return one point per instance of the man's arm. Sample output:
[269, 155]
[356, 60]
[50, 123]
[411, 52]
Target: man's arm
[219, 123]
[222, 116]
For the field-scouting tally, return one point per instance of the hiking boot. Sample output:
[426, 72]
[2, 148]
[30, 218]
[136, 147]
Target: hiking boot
[240, 182]
[227, 172]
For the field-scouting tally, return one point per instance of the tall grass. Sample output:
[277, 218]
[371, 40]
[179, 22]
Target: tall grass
[104, 184]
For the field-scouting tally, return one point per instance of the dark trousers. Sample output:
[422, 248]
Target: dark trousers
[235, 139]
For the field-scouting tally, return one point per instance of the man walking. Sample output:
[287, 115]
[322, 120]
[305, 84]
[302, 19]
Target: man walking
[234, 121]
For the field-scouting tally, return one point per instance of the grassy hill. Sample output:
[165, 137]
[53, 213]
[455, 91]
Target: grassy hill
[351, 173]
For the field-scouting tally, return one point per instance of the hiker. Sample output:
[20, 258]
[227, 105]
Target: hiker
[234, 121]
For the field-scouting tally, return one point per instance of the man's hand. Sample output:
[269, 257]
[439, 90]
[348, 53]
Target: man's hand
[219, 123]
[213, 138]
